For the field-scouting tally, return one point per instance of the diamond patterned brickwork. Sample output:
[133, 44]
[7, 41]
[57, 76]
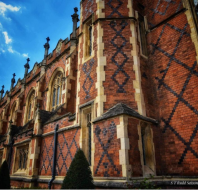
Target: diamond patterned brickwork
[159, 10]
[88, 75]
[116, 8]
[119, 74]
[62, 123]
[68, 144]
[46, 156]
[107, 146]
[174, 71]
[89, 7]
[134, 152]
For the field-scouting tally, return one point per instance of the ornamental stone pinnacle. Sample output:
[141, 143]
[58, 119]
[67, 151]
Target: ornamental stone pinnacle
[75, 19]
[27, 66]
[1, 92]
[12, 81]
[46, 46]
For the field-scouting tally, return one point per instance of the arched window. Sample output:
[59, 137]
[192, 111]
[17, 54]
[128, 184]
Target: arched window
[56, 91]
[30, 107]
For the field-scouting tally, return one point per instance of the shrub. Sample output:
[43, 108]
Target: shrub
[4, 176]
[79, 174]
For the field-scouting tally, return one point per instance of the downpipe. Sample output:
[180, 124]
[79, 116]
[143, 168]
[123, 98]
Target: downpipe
[54, 158]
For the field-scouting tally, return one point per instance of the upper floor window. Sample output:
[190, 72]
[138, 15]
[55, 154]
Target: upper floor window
[88, 38]
[142, 29]
[30, 106]
[56, 91]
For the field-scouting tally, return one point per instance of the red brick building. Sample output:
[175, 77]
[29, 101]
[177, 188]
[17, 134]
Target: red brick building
[122, 88]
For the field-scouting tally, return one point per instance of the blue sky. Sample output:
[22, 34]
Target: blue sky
[24, 26]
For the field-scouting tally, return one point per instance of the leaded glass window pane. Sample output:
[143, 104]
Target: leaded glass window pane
[58, 94]
[29, 113]
[54, 96]
[23, 157]
[90, 40]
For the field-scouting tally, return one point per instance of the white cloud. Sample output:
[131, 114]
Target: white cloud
[1, 27]
[4, 8]
[10, 49]
[7, 39]
[25, 54]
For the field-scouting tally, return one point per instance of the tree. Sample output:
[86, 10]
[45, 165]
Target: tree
[4, 176]
[79, 174]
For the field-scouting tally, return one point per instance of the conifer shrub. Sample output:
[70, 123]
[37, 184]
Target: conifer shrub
[4, 176]
[79, 174]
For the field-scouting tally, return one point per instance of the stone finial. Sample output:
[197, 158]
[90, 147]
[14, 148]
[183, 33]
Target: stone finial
[1, 92]
[12, 81]
[46, 46]
[75, 19]
[27, 66]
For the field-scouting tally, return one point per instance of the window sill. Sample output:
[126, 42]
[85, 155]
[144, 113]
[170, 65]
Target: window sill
[88, 58]
[20, 172]
[144, 56]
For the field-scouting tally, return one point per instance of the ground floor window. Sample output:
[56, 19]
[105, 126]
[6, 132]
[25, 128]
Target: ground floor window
[21, 158]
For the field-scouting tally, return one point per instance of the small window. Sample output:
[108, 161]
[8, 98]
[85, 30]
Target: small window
[142, 29]
[57, 89]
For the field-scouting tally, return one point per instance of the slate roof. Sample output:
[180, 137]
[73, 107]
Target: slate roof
[120, 109]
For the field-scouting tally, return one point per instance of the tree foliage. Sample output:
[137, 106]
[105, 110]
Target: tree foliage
[79, 174]
[4, 176]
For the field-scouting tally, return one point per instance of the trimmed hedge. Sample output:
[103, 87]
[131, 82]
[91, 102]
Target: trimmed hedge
[4, 176]
[79, 174]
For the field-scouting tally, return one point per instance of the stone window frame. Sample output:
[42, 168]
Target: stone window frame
[16, 170]
[86, 129]
[30, 100]
[87, 46]
[56, 91]
[50, 89]
[141, 37]
[143, 128]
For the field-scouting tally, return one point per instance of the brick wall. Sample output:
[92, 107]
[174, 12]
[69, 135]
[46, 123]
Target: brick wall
[107, 146]
[67, 145]
[172, 71]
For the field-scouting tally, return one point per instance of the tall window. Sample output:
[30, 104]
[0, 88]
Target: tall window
[88, 38]
[89, 136]
[57, 91]
[147, 149]
[142, 35]
[30, 107]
